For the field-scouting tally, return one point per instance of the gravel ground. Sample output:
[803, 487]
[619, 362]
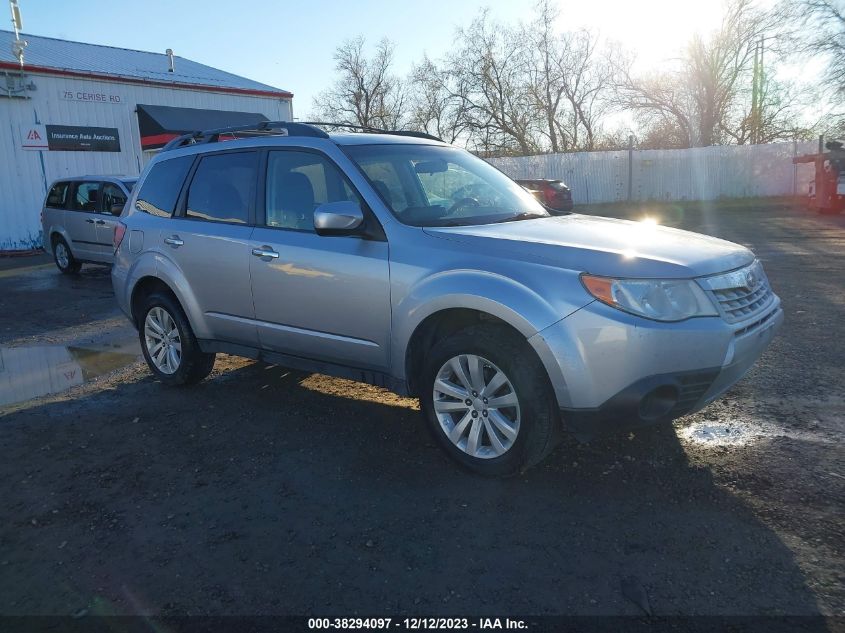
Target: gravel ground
[266, 491]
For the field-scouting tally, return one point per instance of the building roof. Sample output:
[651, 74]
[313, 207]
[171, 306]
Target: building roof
[63, 57]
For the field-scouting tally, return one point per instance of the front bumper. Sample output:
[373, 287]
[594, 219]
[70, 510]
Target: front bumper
[613, 371]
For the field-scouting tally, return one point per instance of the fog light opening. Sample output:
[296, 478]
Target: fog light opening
[658, 402]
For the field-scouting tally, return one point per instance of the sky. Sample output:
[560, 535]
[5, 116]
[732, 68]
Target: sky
[289, 45]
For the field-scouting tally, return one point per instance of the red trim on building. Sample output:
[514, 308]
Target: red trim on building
[156, 140]
[148, 82]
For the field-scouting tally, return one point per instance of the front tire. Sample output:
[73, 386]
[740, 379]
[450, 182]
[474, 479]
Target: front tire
[64, 258]
[488, 401]
[168, 342]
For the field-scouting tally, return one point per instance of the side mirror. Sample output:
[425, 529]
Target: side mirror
[338, 218]
[117, 209]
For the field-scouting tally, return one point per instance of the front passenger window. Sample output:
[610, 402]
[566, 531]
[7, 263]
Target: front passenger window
[297, 183]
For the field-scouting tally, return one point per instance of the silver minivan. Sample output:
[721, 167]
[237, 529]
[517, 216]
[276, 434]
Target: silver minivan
[79, 216]
[401, 261]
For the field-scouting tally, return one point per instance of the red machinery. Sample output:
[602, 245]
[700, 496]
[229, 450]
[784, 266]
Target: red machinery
[827, 192]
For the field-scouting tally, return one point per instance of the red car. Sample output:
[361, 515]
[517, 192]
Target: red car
[553, 194]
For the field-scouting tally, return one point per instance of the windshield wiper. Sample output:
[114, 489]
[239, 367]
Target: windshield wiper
[526, 215]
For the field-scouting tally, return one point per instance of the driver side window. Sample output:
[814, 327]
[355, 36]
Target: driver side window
[297, 183]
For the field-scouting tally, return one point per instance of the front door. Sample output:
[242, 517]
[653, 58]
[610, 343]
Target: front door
[324, 298]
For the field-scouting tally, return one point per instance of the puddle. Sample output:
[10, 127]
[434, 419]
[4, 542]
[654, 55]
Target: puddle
[29, 372]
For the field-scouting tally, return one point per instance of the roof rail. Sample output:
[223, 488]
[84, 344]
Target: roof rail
[284, 128]
[374, 130]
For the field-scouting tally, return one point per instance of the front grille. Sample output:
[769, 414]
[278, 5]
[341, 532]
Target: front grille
[756, 324]
[741, 303]
[741, 294]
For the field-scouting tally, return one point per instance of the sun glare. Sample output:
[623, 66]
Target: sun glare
[655, 30]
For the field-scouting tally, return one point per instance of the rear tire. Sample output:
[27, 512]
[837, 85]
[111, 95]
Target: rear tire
[168, 342]
[512, 411]
[64, 258]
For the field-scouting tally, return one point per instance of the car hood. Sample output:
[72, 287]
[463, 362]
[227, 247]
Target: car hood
[603, 246]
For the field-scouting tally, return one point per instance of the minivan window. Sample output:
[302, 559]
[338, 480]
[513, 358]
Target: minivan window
[57, 198]
[112, 195]
[223, 187]
[298, 182]
[162, 185]
[85, 196]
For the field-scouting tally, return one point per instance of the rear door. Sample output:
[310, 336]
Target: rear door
[209, 240]
[53, 213]
[81, 221]
[317, 297]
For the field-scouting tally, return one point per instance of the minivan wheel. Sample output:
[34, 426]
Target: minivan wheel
[64, 259]
[488, 401]
[168, 343]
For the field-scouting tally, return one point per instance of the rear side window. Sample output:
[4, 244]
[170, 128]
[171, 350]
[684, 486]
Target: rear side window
[85, 197]
[112, 196]
[223, 187]
[162, 185]
[57, 198]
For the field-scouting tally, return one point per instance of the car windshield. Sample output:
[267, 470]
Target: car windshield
[432, 185]
[129, 184]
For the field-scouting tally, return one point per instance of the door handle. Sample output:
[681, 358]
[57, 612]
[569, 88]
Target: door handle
[265, 251]
[173, 241]
[90, 221]
[101, 221]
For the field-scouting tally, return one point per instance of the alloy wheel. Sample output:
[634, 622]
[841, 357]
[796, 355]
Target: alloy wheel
[161, 337]
[62, 255]
[477, 406]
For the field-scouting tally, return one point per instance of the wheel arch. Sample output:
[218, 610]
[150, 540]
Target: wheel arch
[166, 277]
[55, 233]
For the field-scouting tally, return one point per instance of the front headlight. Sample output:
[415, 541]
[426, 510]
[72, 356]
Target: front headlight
[658, 299]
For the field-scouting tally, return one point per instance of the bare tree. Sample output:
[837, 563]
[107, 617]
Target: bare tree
[438, 103]
[569, 79]
[700, 93]
[779, 118]
[816, 28]
[366, 92]
[489, 64]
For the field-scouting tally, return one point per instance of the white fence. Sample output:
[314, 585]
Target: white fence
[700, 173]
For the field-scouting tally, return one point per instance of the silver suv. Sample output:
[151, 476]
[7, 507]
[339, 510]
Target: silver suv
[79, 217]
[400, 261]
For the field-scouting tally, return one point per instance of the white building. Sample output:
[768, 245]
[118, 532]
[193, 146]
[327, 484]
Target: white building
[78, 109]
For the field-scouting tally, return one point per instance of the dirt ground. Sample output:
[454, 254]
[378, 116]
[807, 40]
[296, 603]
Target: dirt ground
[266, 491]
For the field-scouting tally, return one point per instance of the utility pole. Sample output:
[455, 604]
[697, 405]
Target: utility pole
[18, 45]
[754, 95]
[757, 85]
